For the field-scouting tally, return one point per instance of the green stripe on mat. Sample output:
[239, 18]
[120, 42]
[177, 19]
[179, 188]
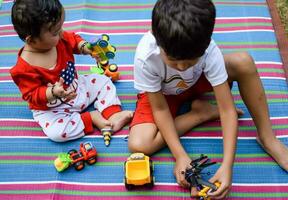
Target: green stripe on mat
[202, 129]
[267, 92]
[138, 193]
[265, 195]
[82, 193]
[111, 155]
[49, 162]
[237, 102]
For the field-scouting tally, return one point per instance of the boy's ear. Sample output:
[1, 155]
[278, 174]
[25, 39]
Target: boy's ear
[28, 39]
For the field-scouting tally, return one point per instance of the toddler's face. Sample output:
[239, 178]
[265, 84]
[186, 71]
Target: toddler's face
[49, 36]
[180, 65]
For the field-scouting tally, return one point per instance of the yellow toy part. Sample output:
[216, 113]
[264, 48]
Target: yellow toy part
[102, 48]
[105, 51]
[107, 133]
[203, 193]
[138, 171]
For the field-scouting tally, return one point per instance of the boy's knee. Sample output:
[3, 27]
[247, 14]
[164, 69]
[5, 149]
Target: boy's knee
[242, 63]
[137, 145]
[245, 58]
[134, 145]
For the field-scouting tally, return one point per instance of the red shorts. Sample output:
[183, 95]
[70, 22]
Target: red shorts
[143, 112]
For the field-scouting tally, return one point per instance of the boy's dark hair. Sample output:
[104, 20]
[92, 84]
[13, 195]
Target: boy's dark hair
[29, 16]
[183, 28]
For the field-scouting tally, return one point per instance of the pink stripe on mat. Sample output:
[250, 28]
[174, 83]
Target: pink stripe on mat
[147, 23]
[8, 30]
[119, 191]
[121, 188]
[193, 133]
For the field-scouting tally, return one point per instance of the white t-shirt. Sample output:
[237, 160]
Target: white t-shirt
[151, 74]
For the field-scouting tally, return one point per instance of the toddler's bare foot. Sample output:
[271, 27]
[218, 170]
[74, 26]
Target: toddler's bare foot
[99, 121]
[120, 119]
[207, 111]
[277, 150]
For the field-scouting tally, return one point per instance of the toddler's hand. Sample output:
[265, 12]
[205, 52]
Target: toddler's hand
[59, 91]
[71, 95]
[86, 50]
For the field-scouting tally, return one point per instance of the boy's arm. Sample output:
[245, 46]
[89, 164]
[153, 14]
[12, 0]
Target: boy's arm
[166, 126]
[229, 123]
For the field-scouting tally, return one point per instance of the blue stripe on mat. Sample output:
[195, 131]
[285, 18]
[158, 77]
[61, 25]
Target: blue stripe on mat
[244, 173]
[222, 11]
[277, 109]
[127, 57]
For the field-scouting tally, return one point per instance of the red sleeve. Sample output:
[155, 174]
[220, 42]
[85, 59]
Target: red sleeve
[73, 40]
[29, 83]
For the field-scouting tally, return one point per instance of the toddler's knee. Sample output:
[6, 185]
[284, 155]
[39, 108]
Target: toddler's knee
[56, 136]
[57, 139]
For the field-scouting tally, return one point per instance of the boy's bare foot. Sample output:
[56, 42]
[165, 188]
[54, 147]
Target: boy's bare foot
[99, 121]
[207, 111]
[277, 150]
[120, 119]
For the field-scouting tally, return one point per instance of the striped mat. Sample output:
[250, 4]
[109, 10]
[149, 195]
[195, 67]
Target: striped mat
[26, 155]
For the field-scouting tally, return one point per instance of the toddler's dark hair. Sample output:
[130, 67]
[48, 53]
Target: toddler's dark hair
[29, 16]
[183, 28]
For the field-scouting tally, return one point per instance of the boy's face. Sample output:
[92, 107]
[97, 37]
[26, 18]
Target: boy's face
[49, 36]
[179, 65]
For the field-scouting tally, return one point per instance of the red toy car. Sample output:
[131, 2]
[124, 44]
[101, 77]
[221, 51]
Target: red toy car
[76, 158]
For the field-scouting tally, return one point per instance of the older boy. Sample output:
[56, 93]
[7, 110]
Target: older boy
[179, 61]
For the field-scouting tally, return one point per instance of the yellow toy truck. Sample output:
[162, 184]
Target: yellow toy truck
[138, 171]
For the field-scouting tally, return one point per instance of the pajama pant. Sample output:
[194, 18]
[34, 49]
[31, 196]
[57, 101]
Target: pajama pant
[64, 121]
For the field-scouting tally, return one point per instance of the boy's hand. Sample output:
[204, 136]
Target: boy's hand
[181, 165]
[224, 176]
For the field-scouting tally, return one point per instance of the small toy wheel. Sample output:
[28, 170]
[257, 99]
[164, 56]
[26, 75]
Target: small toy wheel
[151, 184]
[92, 160]
[151, 167]
[113, 48]
[105, 37]
[124, 166]
[113, 68]
[103, 43]
[127, 186]
[72, 151]
[104, 63]
[79, 165]
[110, 54]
